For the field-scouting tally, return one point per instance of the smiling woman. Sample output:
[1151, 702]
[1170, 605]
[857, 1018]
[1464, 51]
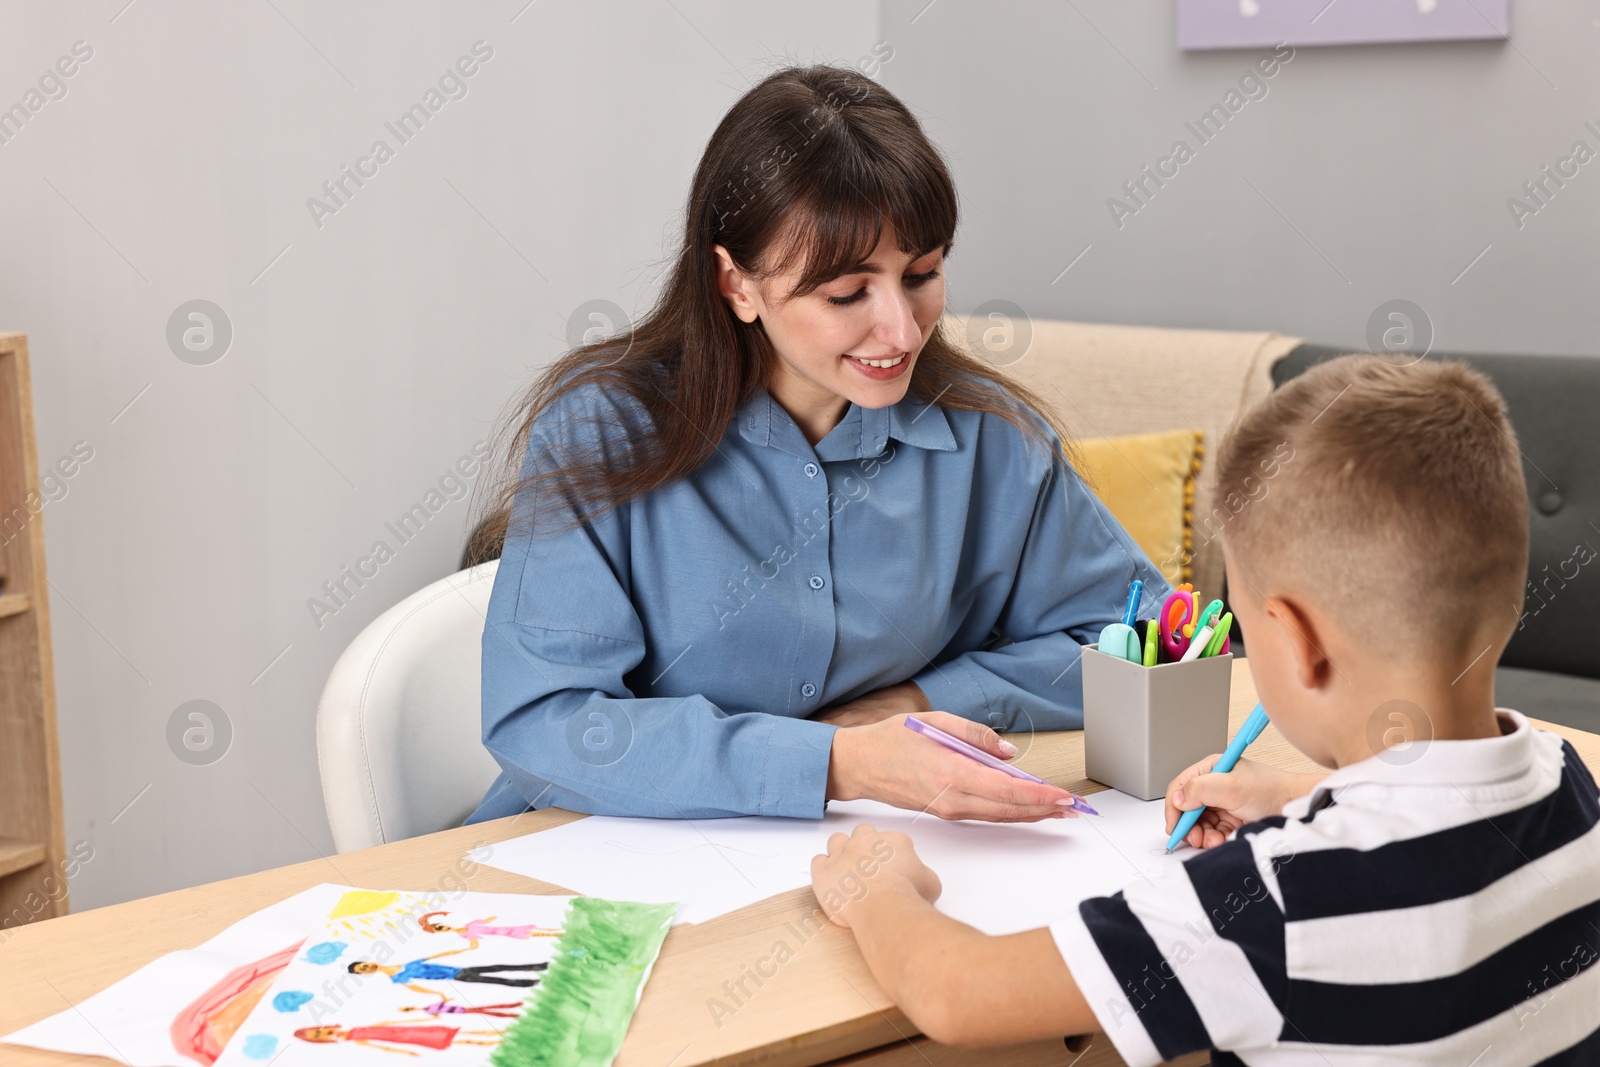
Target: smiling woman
[796, 342]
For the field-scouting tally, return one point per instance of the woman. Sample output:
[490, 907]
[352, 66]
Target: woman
[746, 538]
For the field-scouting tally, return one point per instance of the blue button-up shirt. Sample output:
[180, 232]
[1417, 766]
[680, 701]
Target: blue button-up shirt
[664, 659]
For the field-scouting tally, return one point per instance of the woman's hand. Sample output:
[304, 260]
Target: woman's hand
[886, 762]
[1249, 792]
[866, 861]
[904, 699]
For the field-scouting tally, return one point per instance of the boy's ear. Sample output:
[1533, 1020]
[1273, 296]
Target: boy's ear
[1313, 668]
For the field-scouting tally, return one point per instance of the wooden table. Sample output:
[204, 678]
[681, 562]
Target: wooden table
[822, 1004]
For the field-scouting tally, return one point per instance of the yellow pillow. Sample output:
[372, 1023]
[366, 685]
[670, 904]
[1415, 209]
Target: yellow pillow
[1147, 481]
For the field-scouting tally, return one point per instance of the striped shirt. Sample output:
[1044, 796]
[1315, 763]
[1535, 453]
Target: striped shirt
[1439, 905]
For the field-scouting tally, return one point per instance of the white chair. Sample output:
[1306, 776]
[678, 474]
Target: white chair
[399, 725]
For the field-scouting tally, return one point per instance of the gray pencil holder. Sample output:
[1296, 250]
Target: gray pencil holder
[1142, 725]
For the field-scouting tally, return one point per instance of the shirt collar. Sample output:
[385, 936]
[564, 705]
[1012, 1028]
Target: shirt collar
[863, 433]
[1488, 761]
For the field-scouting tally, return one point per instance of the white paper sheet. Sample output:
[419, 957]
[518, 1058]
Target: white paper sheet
[1000, 878]
[131, 1021]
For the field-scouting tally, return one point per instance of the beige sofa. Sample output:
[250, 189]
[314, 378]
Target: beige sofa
[1107, 381]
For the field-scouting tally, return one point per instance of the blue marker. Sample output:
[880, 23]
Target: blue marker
[1134, 592]
[1247, 733]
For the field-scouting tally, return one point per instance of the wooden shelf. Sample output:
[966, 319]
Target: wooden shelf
[19, 855]
[32, 845]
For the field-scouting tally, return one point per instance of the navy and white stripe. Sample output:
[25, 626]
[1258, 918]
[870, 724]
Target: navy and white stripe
[1443, 911]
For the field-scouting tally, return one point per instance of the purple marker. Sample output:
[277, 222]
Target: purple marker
[955, 744]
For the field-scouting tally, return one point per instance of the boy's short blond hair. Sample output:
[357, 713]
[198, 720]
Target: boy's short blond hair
[1391, 494]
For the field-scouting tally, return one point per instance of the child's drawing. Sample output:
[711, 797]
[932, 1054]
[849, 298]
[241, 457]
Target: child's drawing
[496, 978]
[326, 951]
[426, 970]
[361, 911]
[445, 1006]
[390, 974]
[291, 999]
[478, 929]
[383, 1035]
[202, 1029]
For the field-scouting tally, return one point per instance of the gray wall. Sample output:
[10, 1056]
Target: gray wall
[365, 361]
[1379, 172]
[370, 353]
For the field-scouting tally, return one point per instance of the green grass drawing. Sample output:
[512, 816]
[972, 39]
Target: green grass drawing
[581, 1009]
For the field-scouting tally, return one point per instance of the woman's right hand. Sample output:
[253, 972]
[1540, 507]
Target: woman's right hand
[886, 762]
[1249, 792]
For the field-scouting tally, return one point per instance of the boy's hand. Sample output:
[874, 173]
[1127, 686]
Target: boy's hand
[864, 862]
[1249, 792]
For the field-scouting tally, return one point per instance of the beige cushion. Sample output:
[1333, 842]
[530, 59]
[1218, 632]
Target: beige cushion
[1107, 381]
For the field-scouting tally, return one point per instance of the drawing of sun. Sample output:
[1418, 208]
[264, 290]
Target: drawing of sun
[365, 911]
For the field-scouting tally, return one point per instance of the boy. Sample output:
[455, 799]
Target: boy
[1433, 903]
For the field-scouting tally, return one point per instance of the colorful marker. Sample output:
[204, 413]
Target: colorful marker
[1197, 645]
[1134, 592]
[1211, 611]
[1247, 733]
[1220, 638]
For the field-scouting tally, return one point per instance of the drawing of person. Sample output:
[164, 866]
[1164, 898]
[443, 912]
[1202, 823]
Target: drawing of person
[444, 1006]
[478, 929]
[383, 1035]
[427, 971]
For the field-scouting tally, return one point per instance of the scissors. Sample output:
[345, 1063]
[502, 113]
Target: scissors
[1176, 610]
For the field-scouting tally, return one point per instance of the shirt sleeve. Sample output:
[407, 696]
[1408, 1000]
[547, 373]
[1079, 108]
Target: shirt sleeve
[1072, 580]
[559, 643]
[1189, 957]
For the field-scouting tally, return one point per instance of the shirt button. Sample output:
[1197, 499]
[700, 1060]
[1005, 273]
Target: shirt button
[817, 582]
[811, 470]
[808, 690]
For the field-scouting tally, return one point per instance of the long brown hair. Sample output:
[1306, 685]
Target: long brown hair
[811, 160]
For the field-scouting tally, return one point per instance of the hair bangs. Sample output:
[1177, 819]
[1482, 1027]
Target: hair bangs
[834, 226]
